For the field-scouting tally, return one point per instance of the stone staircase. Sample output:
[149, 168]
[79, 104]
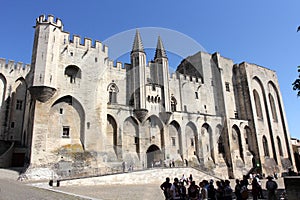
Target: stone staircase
[150, 176]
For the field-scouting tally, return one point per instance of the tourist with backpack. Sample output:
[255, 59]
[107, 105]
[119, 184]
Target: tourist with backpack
[271, 187]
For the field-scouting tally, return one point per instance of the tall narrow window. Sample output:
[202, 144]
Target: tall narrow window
[173, 141]
[227, 86]
[257, 104]
[19, 104]
[265, 146]
[221, 148]
[279, 146]
[192, 142]
[173, 103]
[273, 108]
[196, 95]
[113, 90]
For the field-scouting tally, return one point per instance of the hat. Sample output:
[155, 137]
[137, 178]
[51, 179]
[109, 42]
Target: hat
[270, 177]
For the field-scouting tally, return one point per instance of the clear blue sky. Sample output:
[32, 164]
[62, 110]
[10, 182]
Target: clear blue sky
[260, 32]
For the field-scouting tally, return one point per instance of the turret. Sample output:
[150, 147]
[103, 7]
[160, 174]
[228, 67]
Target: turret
[45, 57]
[162, 73]
[137, 73]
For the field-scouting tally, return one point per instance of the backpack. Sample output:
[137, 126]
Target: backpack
[271, 185]
[244, 193]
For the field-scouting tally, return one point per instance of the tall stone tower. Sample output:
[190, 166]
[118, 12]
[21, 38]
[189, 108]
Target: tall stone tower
[45, 57]
[137, 73]
[162, 69]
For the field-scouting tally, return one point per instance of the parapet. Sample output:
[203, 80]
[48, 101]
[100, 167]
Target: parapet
[42, 19]
[74, 40]
[185, 77]
[88, 43]
[118, 66]
[13, 67]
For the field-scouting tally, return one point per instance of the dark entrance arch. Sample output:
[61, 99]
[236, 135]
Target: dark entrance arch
[154, 155]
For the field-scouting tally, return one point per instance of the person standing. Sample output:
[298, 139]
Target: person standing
[271, 187]
[193, 191]
[175, 189]
[255, 189]
[123, 166]
[237, 190]
[165, 187]
[203, 191]
[191, 178]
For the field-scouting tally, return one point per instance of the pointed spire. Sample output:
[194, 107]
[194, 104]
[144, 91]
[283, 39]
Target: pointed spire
[160, 50]
[137, 44]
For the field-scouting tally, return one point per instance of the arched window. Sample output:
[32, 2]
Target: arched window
[173, 103]
[279, 146]
[265, 145]
[257, 104]
[113, 91]
[73, 72]
[273, 108]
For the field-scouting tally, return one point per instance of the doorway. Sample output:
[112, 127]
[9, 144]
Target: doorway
[155, 157]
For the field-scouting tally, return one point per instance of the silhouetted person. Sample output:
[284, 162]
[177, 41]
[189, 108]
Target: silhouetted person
[166, 186]
[271, 186]
[193, 191]
[237, 189]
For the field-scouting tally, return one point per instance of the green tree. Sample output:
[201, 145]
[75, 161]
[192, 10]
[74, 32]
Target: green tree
[296, 84]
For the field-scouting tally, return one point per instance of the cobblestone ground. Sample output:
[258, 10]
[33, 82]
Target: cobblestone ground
[117, 192]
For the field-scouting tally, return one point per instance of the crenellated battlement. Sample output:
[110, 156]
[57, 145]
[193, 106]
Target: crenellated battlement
[10, 66]
[187, 78]
[87, 42]
[118, 66]
[42, 19]
[67, 39]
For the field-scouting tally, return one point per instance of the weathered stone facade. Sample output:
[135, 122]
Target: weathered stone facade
[76, 113]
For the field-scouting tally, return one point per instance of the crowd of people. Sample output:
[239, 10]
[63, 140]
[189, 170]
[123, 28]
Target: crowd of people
[186, 188]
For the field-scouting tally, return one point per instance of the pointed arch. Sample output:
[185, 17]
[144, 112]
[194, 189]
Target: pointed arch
[131, 138]
[153, 128]
[67, 117]
[236, 143]
[112, 135]
[192, 139]
[205, 142]
[268, 117]
[175, 138]
[18, 102]
[281, 114]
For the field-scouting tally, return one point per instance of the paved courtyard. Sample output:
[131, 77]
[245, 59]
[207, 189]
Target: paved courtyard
[10, 189]
[117, 192]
